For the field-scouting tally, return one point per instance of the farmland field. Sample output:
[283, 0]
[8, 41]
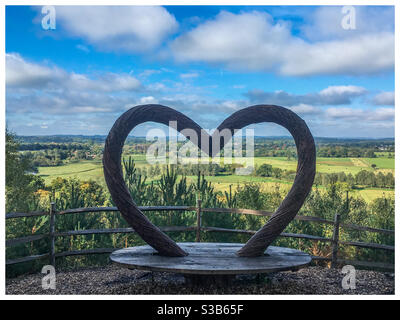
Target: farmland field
[92, 169]
[370, 194]
[381, 163]
[83, 170]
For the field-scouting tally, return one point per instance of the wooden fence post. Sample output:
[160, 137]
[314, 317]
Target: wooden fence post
[335, 242]
[198, 213]
[52, 234]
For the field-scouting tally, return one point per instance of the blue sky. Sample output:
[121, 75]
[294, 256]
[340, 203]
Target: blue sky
[205, 61]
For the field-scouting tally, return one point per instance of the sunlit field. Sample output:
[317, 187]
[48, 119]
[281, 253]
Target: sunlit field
[92, 169]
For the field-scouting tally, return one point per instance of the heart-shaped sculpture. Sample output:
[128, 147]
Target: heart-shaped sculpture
[286, 212]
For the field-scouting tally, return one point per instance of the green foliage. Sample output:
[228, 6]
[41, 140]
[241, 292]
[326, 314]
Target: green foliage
[21, 184]
[264, 170]
[135, 182]
[363, 178]
[230, 198]
[172, 190]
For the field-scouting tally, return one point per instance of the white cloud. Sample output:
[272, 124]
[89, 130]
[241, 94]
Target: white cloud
[366, 54]
[374, 115]
[109, 82]
[156, 86]
[149, 72]
[22, 74]
[326, 22]
[384, 98]
[82, 48]
[232, 105]
[47, 89]
[235, 40]
[114, 28]
[253, 41]
[94, 113]
[332, 95]
[342, 90]
[345, 113]
[189, 75]
[382, 114]
[148, 100]
[306, 109]
[119, 82]
[88, 109]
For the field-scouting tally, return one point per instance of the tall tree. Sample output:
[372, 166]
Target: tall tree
[21, 184]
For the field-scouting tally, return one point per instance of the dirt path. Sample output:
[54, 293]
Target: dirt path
[359, 162]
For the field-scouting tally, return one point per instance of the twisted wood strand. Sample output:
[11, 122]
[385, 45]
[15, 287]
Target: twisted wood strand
[257, 245]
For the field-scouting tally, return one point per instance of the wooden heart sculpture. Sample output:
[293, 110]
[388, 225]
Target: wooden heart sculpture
[286, 212]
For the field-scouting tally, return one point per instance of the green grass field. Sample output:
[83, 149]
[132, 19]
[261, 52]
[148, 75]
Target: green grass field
[381, 163]
[324, 165]
[83, 170]
[370, 194]
[91, 169]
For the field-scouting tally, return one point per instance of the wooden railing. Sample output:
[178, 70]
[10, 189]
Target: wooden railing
[198, 228]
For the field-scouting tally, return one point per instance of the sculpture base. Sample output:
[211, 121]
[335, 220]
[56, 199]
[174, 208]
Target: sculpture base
[209, 263]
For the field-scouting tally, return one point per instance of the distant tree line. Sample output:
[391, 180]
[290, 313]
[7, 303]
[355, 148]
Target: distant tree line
[189, 169]
[50, 154]
[362, 178]
[326, 147]
[71, 146]
[346, 152]
[330, 151]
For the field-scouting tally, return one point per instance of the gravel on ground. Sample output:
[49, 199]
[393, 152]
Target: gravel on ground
[116, 280]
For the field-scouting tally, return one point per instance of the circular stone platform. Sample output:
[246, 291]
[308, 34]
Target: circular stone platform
[211, 259]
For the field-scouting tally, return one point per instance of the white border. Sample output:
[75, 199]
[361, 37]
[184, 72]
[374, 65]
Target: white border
[233, 298]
